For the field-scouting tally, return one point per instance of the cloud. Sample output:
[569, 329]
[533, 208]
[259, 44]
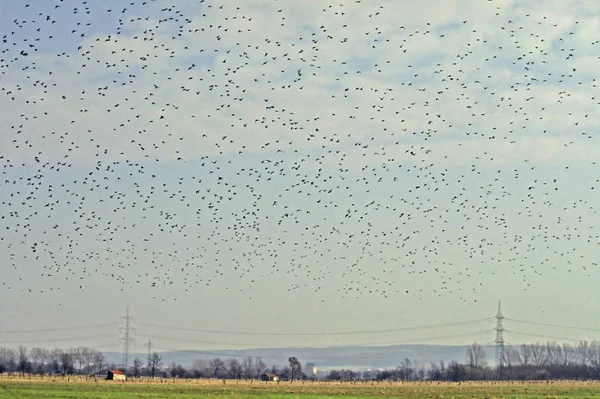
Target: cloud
[288, 102]
[272, 74]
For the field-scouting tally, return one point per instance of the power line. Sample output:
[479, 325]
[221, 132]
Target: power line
[350, 358]
[211, 353]
[419, 354]
[544, 336]
[554, 325]
[58, 339]
[149, 344]
[191, 351]
[373, 344]
[201, 342]
[414, 340]
[58, 329]
[314, 333]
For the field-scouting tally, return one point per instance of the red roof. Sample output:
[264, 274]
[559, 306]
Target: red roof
[116, 371]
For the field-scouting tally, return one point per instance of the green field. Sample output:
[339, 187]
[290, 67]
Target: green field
[63, 389]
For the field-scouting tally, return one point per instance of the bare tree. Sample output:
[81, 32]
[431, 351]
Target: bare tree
[511, 357]
[538, 354]
[79, 358]
[247, 367]
[568, 354]
[594, 356]
[295, 368]
[406, 369]
[553, 353]
[217, 366]
[7, 359]
[456, 371]
[275, 369]
[66, 362]
[99, 361]
[173, 368]
[476, 356]
[525, 354]
[23, 364]
[154, 362]
[177, 370]
[285, 373]
[136, 367]
[200, 368]
[434, 372]
[88, 358]
[419, 371]
[39, 358]
[54, 361]
[234, 368]
[582, 352]
[259, 367]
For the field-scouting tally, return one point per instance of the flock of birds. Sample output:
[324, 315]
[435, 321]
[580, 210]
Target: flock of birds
[348, 146]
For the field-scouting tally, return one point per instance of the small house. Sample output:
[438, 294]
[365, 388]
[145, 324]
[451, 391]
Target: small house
[269, 377]
[116, 375]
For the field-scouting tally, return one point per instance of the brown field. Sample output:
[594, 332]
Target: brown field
[81, 387]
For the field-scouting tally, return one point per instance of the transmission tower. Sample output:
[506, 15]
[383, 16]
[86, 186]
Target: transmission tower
[149, 343]
[127, 337]
[499, 338]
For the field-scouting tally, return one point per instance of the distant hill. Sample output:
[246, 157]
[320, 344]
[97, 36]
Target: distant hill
[354, 357]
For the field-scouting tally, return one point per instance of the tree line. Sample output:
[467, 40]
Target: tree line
[89, 361]
[79, 360]
[247, 368]
[533, 361]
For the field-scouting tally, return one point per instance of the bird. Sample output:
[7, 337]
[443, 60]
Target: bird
[349, 151]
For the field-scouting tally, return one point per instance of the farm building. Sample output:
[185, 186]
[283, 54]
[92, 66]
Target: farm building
[116, 375]
[269, 377]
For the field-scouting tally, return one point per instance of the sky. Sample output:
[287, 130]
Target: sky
[268, 168]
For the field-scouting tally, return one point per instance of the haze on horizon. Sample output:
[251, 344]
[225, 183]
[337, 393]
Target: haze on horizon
[287, 168]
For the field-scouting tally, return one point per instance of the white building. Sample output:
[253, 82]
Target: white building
[310, 370]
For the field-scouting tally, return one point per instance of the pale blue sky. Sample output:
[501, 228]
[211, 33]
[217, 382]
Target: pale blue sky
[372, 169]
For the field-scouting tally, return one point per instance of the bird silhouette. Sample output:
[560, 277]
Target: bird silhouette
[351, 150]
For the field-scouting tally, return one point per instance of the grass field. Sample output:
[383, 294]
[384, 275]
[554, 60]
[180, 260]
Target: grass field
[78, 388]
